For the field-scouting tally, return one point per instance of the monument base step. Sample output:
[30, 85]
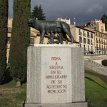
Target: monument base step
[81, 104]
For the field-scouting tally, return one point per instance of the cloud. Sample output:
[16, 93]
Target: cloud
[94, 9]
[83, 10]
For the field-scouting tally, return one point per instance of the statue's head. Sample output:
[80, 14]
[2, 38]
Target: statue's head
[32, 22]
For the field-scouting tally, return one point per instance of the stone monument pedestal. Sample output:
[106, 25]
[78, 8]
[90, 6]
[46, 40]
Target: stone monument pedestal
[55, 76]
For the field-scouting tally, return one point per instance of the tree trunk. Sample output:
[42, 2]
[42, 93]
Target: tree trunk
[18, 83]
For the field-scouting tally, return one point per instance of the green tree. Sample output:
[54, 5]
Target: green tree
[38, 13]
[3, 36]
[104, 20]
[20, 40]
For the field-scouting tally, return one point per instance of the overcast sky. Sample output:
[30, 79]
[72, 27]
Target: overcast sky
[82, 10]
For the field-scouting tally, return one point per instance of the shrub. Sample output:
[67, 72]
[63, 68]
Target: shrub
[104, 62]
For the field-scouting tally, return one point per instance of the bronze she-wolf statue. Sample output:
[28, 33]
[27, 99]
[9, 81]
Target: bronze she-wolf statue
[45, 27]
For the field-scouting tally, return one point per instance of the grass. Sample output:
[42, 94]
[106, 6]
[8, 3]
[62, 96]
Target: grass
[11, 96]
[96, 91]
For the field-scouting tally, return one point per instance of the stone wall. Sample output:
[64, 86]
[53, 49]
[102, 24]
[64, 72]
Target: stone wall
[96, 67]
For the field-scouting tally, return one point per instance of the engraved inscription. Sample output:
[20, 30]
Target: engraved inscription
[56, 77]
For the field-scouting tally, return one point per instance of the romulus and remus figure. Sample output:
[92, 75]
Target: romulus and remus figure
[51, 27]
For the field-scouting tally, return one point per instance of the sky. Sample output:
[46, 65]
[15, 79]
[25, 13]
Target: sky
[82, 10]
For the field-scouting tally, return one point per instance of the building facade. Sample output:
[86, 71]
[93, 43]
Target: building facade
[100, 36]
[68, 21]
[92, 37]
[85, 38]
[97, 25]
[100, 43]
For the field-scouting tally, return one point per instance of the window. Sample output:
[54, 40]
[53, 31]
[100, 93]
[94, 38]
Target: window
[91, 42]
[84, 47]
[80, 39]
[91, 48]
[96, 40]
[97, 45]
[88, 41]
[8, 40]
[88, 35]
[80, 33]
[84, 33]
[102, 47]
[99, 41]
[31, 40]
[95, 27]
[88, 48]
[102, 29]
[84, 40]
[104, 42]
[91, 35]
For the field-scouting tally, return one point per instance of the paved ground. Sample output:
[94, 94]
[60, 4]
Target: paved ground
[96, 58]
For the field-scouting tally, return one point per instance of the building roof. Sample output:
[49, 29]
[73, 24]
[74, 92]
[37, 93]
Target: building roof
[85, 28]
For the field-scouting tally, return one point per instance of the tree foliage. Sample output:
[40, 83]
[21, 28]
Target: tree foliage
[104, 20]
[38, 13]
[20, 39]
[3, 36]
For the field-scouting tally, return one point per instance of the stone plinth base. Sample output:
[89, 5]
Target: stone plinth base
[55, 76]
[83, 104]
